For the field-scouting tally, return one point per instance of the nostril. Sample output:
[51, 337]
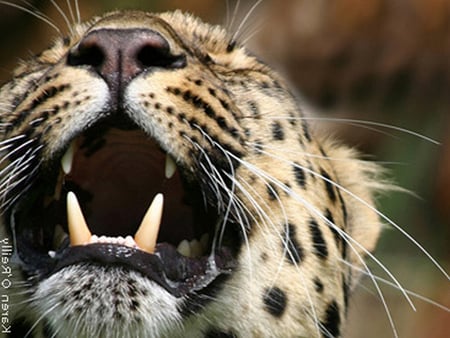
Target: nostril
[86, 55]
[150, 56]
[155, 56]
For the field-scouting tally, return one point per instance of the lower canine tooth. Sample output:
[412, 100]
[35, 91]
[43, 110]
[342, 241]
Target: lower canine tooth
[184, 248]
[147, 233]
[79, 233]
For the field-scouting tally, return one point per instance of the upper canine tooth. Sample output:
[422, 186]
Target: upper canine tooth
[67, 159]
[79, 233]
[147, 233]
[170, 167]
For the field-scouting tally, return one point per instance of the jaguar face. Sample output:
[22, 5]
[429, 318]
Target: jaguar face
[158, 180]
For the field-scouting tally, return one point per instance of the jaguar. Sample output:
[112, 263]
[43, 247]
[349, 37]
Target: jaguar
[157, 179]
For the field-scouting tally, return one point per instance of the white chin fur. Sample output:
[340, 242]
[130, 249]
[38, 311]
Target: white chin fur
[105, 302]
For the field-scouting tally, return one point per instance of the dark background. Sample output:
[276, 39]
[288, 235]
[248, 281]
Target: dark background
[385, 61]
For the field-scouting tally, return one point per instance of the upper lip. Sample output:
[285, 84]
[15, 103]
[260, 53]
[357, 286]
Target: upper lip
[117, 154]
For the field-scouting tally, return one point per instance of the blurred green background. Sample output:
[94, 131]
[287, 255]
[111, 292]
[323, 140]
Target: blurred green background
[386, 61]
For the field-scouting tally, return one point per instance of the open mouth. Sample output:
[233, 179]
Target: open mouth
[115, 197]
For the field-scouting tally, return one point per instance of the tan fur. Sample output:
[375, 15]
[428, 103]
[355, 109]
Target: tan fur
[267, 162]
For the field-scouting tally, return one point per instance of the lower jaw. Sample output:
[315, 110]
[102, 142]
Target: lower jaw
[177, 274]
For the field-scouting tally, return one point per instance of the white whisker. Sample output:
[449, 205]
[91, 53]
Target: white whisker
[251, 34]
[244, 20]
[409, 292]
[234, 15]
[356, 122]
[33, 13]
[77, 10]
[72, 16]
[63, 15]
[30, 331]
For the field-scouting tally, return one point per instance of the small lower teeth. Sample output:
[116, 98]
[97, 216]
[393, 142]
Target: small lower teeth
[184, 248]
[194, 248]
[127, 241]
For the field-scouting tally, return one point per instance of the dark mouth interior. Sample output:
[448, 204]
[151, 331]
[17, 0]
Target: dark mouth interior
[116, 172]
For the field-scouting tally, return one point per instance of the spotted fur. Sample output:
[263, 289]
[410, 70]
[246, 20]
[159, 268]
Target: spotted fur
[301, 204]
